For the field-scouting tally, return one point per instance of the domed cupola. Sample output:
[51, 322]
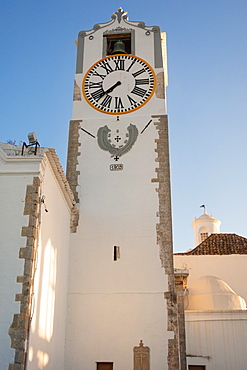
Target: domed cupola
[204, 226]
[212, 293]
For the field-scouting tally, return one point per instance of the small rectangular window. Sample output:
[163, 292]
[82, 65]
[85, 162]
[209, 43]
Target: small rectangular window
[197, 367]
[116, 253]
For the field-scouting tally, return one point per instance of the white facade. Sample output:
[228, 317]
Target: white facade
[216, 339]
[49, 294]
[47, 332]
[15, 174]
[113, 304]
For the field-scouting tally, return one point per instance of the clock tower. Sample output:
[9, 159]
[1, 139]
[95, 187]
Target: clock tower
[121, 301]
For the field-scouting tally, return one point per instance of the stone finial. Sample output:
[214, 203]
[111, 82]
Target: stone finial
[119, 15]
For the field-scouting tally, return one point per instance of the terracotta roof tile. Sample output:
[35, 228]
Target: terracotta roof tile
[220, 244]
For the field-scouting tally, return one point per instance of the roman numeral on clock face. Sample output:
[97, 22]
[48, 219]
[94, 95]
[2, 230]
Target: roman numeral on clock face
[97, 94]
[118, 103]
[130, 66]
[107, 101]
[142, 81]
[132, 101]
[137, 73]
[139, 91]
[94, 85]
[119, 63]
[96, 73]
[107, 67]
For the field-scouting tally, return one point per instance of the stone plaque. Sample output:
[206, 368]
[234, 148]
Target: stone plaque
[141, 357]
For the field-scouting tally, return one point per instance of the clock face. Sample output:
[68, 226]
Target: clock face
[119, 84]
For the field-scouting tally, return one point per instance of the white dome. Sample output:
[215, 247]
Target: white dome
[204, 216]
[212, 293]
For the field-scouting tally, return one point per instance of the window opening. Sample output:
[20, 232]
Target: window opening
[116, 253]
[111, 46]
[104, 365]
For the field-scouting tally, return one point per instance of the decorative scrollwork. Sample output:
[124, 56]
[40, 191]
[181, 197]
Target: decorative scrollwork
[141, 25]
[82, 34]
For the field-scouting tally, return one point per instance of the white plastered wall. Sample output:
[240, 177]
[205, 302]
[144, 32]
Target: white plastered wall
[15, 175]
[115, 304]
[216, 339]
[47, 333]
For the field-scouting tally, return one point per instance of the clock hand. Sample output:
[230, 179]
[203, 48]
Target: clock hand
[111, 89]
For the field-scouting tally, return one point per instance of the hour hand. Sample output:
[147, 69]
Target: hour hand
[111, 88]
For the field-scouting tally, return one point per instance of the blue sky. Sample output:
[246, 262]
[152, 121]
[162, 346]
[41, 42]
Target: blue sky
[207, 92]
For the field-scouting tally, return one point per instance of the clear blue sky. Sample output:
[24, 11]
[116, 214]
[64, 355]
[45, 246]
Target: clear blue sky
[207, 92]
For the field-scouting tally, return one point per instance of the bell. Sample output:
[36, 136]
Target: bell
[119, 48]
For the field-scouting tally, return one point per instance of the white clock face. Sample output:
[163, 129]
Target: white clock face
[119, 84]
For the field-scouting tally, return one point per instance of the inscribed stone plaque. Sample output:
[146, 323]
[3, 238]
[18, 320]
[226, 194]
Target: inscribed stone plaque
[141, 357]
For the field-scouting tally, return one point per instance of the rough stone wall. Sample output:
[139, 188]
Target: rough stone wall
[72, 159]
[19, 329]
[160, 87]
[164, 233]
[181, 284]
[77, 92]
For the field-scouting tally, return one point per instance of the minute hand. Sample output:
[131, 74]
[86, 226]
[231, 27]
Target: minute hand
[111, 88]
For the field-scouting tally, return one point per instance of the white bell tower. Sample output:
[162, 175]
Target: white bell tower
[204, 226]
[122, 305]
